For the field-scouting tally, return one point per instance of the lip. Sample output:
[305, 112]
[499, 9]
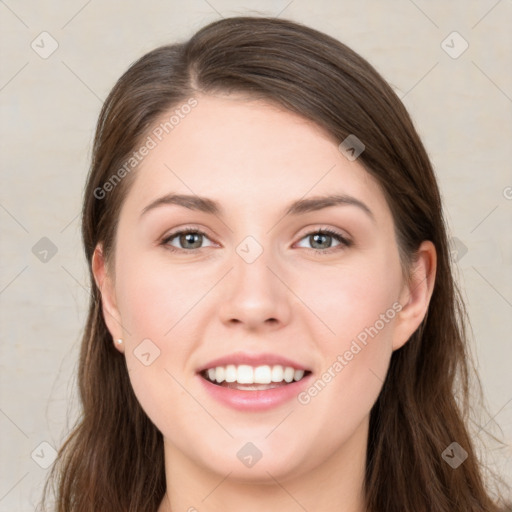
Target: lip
[238, 358]
[254, 401]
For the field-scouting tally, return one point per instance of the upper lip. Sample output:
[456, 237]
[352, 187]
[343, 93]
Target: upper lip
[252, 360]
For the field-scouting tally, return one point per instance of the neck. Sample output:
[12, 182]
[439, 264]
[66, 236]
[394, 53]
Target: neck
[336, 485]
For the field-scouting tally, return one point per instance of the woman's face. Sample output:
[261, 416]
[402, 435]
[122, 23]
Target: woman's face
[261, 282]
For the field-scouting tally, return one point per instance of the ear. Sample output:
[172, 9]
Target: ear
[105, 283]
[415, 295]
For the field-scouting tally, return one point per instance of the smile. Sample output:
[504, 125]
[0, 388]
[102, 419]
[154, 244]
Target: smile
[265, 376]
[249, 388]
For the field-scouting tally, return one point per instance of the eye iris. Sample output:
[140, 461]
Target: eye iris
[189, 237]
[316, 236]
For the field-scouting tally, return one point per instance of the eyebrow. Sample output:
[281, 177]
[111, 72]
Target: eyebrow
[206, 205]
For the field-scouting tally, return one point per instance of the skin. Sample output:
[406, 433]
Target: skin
[199, 304]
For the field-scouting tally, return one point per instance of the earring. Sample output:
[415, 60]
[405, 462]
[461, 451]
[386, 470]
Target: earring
[119, 341]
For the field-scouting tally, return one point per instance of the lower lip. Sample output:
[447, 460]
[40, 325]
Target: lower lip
[259, 400]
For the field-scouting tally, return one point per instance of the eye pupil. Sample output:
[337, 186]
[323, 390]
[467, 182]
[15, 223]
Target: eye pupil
[320, 235]
[189, 238]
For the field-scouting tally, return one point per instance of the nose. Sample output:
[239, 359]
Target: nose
[255, 295]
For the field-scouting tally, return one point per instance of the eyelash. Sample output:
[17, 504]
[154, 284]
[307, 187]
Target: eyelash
[320, 252]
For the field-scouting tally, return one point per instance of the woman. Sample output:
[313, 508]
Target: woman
[274, 323]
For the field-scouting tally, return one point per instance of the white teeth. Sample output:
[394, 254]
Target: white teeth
[277, 373]
[220, 372]
[245, 374]
[298, 374]
[230, 373]
[289, 373]
[262, 375]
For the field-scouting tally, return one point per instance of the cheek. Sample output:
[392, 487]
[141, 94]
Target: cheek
[357, 307]
[157, 306]
[350, 297]
[153, 296]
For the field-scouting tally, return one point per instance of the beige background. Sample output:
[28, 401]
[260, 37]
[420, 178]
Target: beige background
[462, 107]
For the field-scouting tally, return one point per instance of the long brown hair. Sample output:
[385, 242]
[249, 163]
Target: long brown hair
[113, 459]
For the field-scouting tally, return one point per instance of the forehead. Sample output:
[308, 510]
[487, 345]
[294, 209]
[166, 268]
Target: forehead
[247, 153]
